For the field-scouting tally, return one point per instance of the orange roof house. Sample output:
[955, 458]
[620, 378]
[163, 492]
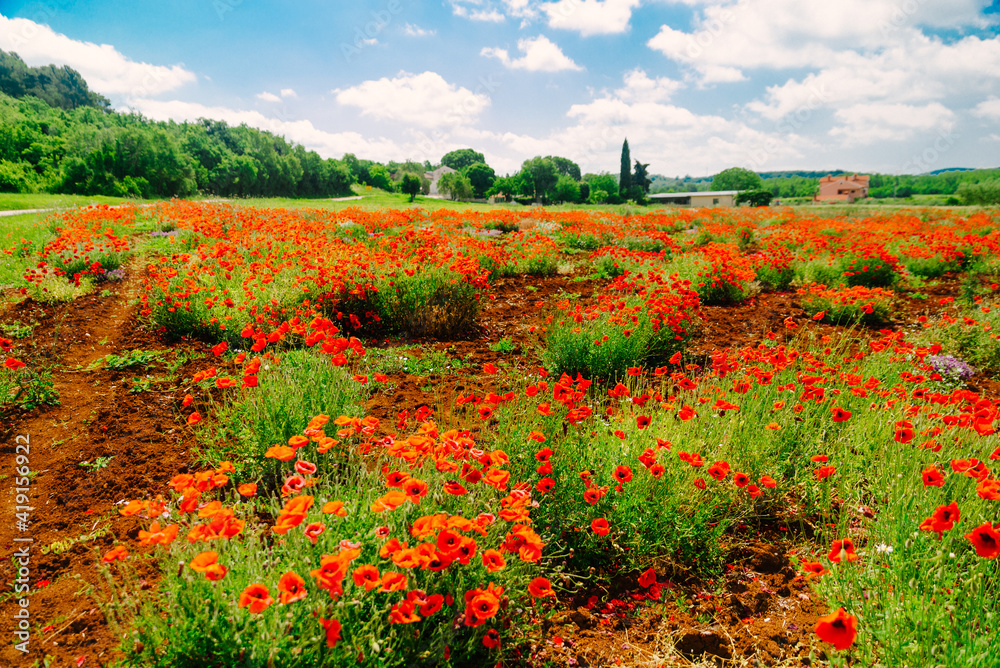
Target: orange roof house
[842, 188]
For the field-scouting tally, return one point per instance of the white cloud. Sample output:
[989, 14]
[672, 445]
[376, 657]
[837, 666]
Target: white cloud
[105, 69]
[640, 88]
[480, 13]
[989, 109]
[417, 31]
[591, 17]
[424, 99]
[540, 55]
[863, 124]
[289, 92]
[268, 97]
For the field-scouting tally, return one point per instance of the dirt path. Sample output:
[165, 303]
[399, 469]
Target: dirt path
[71, 518]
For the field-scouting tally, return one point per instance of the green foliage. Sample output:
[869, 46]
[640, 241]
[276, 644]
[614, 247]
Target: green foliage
[984, 193]
[565, 190]
[30, 388]
[433, 302]
[129, 359]
[461, 158]
[304, 383]
[61, 87]
[481, 176]
[736, 178]
[456, 186]
[504, 345]
[755, 197]
[410, 185]
[94, 152]
[543, 175]
[625, 173]
[601, 349]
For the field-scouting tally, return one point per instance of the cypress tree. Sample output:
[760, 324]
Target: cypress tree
[625, 177]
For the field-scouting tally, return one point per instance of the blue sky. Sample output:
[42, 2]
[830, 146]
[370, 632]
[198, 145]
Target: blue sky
[897, 86]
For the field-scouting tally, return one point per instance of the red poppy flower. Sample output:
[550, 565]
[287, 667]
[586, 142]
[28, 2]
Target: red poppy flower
[839, 414]
[117, 553]
[540, 588]
[367, 576]
[332, 628]
[492, 639]
[648, 578]
[813, 569]
[842, 550]
[600, 526]
[741, 479]
[194, 419]
[622, 473]
[643, 421]
[292, 588]
[838, 628]
[932, 477]
[13, 364]
[986, 540]
[719, 470]
[768, 481]
[493, 561]
[545, 485]
[256, 597]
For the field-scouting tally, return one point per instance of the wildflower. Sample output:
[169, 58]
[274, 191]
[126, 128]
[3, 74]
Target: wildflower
[194, 419]
[986, 540]
[332, 628]
[313, 531]
[540, 588]
[838, 628]
[839, 414]
[813, 569]
[642, 421]
[545, 485]
[622, 474]
[367, 576]
[256, 597]
[741, 479]
[648, 578]
[291, 588]
[117, 553]
[334, 508]
[600, 526]
[280, 452]
[201, 562]
[493, 561]
[932, 477]
[842, 550]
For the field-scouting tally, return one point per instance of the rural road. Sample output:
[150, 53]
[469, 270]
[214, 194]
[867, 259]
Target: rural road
[18, 212]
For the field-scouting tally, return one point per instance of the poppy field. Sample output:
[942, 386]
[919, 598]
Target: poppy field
[512, 437]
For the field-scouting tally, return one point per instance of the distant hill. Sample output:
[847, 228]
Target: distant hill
[61, 87]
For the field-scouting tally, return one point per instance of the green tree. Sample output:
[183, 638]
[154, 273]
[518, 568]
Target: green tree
[505, 187]
[625, 175]
[481, 176]
[543, 175]
[566, 189]
[566, 167]
[641, 176]
[410, 185]
[736, 178]
[456, 186]
[754, 197]
[462, 158]
[378, 177]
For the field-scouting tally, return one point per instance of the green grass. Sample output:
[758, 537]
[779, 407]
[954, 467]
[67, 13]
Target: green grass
[17, 201]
